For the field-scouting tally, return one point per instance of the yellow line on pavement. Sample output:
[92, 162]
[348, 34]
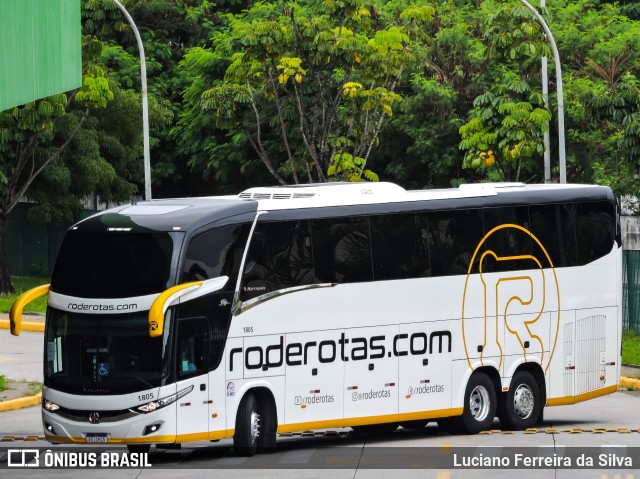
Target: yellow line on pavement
[33, 326]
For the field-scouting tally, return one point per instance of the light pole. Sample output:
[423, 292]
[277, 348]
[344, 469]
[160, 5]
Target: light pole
[545, 96]
[145, 103]
[556, 56]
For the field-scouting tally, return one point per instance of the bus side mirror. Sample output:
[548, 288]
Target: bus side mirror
[15, 315]
[186, 291]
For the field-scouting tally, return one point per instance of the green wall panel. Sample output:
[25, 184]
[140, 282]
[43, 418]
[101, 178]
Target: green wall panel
[40, 49]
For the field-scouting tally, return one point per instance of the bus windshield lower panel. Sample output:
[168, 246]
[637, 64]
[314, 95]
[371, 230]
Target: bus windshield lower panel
[103, 354]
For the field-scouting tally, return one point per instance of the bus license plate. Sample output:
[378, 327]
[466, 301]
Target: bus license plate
[97, 438]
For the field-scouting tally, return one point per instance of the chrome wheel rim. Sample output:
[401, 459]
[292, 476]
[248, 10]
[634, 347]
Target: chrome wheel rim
[255, 425]
[523, 401]
[479, 403]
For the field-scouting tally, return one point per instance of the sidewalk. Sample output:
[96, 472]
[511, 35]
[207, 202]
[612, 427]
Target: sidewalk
[21, 359]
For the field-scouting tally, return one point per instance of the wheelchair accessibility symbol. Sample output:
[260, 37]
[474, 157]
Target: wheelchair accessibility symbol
[511, 300]
[103, 369]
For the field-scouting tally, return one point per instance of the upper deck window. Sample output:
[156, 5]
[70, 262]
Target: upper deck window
[280, 256]
[114, 264]
[215, 253]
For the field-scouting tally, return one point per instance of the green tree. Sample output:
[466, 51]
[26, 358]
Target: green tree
[307, 84]
[506, 130]
[504, 134]
[57, 150]
[420, 144]
[600, 48]
[29, 143]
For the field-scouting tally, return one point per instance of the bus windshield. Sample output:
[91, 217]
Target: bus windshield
[120, 264]
[103, 354]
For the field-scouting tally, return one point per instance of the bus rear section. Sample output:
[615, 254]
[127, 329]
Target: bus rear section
[453, 310]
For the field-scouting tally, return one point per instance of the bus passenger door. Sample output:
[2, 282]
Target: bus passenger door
[192, 366]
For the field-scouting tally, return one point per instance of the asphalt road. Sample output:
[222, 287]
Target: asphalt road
[598, 424]
[21, 356]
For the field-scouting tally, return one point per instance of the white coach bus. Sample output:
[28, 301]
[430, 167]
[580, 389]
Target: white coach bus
[324, 306]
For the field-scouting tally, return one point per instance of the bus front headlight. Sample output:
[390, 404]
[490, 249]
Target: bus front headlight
[51, 407]
[160, 403]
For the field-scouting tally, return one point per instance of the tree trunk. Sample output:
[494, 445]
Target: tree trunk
[6, 286]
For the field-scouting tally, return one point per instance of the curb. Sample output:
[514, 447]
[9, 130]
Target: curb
[630, 383]
[20, 403]
[33, 326]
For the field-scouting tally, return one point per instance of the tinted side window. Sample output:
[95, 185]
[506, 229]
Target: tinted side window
[193, 347]
[595, 230]
[555, 227]
[399, 246]
[215, 309]
[279, 257]
[341, 250]
[114, 264]
[216, 253]
[453, 238]
[507, 241]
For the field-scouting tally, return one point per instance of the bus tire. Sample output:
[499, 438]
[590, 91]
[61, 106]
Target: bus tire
[541, 416]
[480, 404]
[245, 437]
[522, 405]
[268, 429]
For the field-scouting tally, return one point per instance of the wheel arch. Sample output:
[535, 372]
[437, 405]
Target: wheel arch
[266, 404]
[263, 390]
[490, 369]
[535, 370]
[493, 374]
[265, 400]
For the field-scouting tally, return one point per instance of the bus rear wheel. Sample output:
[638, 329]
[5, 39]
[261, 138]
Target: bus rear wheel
[522, 404]
[245, 438]
[480, 404]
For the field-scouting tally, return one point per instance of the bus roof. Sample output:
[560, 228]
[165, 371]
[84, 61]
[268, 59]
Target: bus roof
[179, 214]
[189, 214]
[467, 195]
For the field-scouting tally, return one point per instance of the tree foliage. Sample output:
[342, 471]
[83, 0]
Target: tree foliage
[287, 92]
[307, 85]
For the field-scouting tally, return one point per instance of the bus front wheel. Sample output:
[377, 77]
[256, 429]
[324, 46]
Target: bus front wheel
[480, 404]
[245, 438]
[522, 404]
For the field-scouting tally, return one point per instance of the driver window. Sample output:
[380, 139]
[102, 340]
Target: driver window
[193, 357]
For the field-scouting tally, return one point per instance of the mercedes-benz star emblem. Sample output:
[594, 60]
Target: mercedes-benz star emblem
[94, 418]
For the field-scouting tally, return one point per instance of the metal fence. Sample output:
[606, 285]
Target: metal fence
[631, 290]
